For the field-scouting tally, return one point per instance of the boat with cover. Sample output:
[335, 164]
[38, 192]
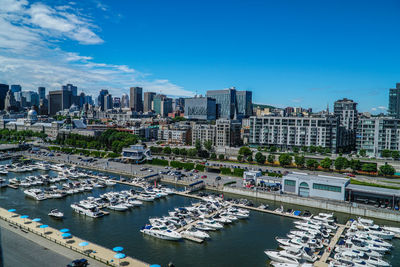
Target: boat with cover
[161, 233]
[55, 213]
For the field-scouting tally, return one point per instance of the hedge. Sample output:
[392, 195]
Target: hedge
[160, 162]
[183, 165]
[200, 167]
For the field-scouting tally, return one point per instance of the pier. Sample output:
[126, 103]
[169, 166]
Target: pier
[94, 251]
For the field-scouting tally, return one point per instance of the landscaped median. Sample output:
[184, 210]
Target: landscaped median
[358, 182]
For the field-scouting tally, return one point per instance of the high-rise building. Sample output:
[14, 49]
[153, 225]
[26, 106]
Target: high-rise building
[69, 87]
[108, 102]
[179, 104]
[31, 98]
[116, 102]
[394, 101]
[59, 100]
[125, 101]
[135, 99]
[148, 100]
[42, 93]
[3, 91]
[226, 102]
[9, 102]
[15, 88]
[346, 110]
[231, 103]
[244, 104]
[100, 99]
[200, 108]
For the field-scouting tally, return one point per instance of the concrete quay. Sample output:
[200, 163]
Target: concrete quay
[96, 252]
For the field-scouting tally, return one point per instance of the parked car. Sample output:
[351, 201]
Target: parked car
[217, 178]
[350, 174]
[78, 263]
[204, 177]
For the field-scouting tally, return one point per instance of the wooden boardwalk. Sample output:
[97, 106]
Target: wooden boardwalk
[92, 250]
[322, 262]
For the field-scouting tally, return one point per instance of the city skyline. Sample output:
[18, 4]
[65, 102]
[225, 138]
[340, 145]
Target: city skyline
[295, 56]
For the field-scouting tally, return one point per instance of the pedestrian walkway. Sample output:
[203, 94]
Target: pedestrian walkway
[91, 250]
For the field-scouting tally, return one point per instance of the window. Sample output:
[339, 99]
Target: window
[290, 182]
[327, 187]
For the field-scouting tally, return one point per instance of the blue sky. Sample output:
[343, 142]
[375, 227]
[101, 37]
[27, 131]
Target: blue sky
[289, 53]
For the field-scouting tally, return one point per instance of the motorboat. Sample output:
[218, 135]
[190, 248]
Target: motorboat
[87, 209]
[55, 213]
[117, 207]
[110, 183]
[392, 229]
[281, 264]
[161, 232]
[3, 182]
[194, 232]
[280, 256]
[212, 224]
[36, 194]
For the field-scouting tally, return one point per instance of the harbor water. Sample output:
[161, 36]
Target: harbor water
[239, 244]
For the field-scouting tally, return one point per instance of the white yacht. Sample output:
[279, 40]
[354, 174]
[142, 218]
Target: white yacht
[161, 232]
[212, 224]
[56, 214]
[110, 183]
[87, 209]
[196, 233]
[280, 256]
[36, 194]
[117, 207]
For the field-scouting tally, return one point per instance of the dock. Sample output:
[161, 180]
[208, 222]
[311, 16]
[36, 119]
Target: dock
[322, 261]
[94, 251]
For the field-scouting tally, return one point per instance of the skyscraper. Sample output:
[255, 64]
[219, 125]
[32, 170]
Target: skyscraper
[394, 101]
[148, 99]
[125, 101]
[69, 87]
[200, 108]
[9, 102]
[100, 98]
[42, 93]
[3, 91]
[108, 102]
[15, 88]
[116, 102]
[226, 102]
[136, 100]
[55, 102]
[346, 110]
[244, 104]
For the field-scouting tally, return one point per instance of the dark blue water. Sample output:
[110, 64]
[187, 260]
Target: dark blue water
[239, 244]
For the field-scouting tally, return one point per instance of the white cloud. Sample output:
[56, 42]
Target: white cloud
[30, 54]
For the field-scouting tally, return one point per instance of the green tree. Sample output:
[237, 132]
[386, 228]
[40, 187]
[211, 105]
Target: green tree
[192, 152]
[362, 152]
[285, 159]
[183, 151]
[221, 156]
[213, 156]
[245, 151]
[167, 150]
[326, 163]
[271, 158]
[341, 163]
[369, 167]
[176, 151]
[312, 164]
[327, 150]
[355, 165]
[208, 145]
[386, 153]
[272, 149]
[260, 158]
[197, 145]
[312, 149]
[395, 154]
[320, 149]
[249, 158]
[239, 157]
[304, 149]
[299, 160]
[387, 169]
[296, 149]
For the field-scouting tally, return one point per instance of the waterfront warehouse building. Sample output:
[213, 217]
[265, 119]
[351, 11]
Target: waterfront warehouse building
[200, 108]
[320, 186]
[136, 153]
[378, 133]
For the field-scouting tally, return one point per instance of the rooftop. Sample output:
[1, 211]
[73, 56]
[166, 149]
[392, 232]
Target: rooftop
[374, 190]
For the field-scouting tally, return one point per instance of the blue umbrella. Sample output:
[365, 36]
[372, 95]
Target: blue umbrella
[36, 220]
[83, 244]
[118, 249]
[24, 216]
[155, 265]
[64, 230]
[12, 210]
[119, 256]
[66, 235]
[43, 226]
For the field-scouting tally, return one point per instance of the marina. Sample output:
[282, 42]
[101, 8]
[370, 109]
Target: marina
[251, 236]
